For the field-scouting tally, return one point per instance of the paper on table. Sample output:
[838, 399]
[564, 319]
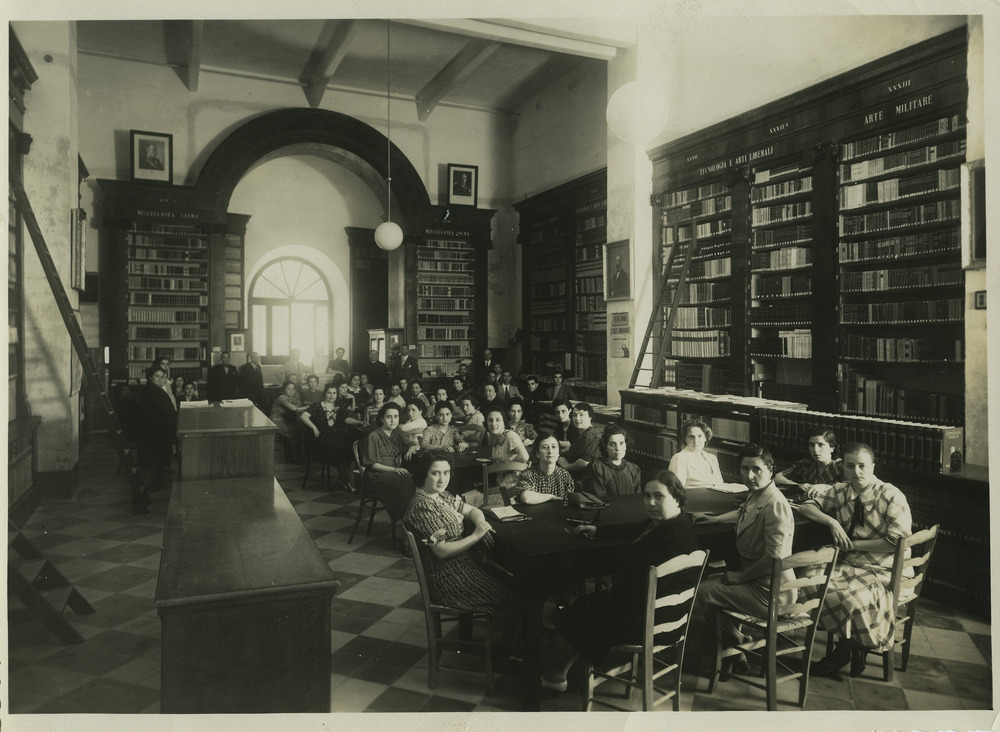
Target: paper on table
[729, 488]
[236, 403]
[187, 405]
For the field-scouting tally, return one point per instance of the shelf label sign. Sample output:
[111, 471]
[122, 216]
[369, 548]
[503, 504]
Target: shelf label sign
[621, 335]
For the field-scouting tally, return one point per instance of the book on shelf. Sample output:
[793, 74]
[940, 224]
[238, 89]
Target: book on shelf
[795, 186]
[788, 258]
[898, 218]
[909, 311]
[700, 344]
[902, 350]
[874, 280]
[874, 167]
[899, 138]
[923, 243]
[895, 189]
[781, 236]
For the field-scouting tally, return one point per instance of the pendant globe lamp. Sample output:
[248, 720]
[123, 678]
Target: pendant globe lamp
[388, 235]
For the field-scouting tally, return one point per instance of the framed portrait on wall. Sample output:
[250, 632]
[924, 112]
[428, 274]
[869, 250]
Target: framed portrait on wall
[152, 156]
[617, 282]
[463, 185]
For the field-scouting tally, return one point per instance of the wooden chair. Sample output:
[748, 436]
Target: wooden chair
[784, 626]
[650, 662]
[436, 615]
[310, 450]
[364, 500]
[912, 553]
[500, 477]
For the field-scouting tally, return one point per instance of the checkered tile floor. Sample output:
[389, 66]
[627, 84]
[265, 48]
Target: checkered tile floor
[378, 640]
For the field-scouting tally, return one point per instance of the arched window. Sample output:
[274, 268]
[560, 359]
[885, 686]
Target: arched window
[290, 308]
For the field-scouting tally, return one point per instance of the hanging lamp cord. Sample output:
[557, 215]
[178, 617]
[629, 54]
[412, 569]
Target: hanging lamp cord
[388, 123]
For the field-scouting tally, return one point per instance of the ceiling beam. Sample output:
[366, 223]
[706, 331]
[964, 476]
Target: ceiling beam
[465, 62]
[194, 54]
[333, 54]
[545, 40]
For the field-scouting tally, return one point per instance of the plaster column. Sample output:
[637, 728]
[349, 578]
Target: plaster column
[50, 180]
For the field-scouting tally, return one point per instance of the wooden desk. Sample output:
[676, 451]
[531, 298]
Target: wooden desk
[225, 442]
[244, 602]
[540, 549]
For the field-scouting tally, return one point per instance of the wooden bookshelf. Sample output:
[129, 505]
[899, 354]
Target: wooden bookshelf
[563, 232]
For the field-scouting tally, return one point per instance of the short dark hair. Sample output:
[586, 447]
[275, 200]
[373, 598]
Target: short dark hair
[556, 403]
[542, 436]
[499, 410]
[584, 407]
[422, 461]
[286, 383]
[471, 397]
[225, 353]
[443, 404]
[752, 451]
[827, 434]
[673, 485]
[416, 403]
[609, 432]
[560, 373]
[385, 408]
[700, 424]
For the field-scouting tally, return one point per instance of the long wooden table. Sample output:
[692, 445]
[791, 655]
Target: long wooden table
[244, 601]
[539, 549]
[225, 442]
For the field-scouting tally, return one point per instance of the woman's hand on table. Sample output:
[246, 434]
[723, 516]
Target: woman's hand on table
[463, 446]
[587, 531]
[702, 517]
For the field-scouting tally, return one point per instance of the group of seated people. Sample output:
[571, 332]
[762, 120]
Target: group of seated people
[865, 518]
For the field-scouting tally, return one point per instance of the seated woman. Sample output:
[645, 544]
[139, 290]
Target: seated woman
[376, 404]
[820, 470]
[383, 454]
[544, 480]
[361, 396]
[595, 623]
[190, 392]
[694, 467]
[505, 446]
[454, 577]
[565, 431]
[441, 395]
[471, 416]
[311, 393]
[490, 398]
[396, 395]
[611, 474]
[327, 419]
[867, 518]
[586, 446]
[442, 436]
[417, 394]
[524, 430]
[415, 424]
[764, 529]
[285, 411]
[177, 388]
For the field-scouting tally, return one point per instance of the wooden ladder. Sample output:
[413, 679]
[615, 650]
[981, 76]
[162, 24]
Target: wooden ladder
[36, 588]
[648, 370]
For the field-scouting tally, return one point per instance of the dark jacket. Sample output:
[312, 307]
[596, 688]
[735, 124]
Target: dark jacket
[223, 383]
[252, 383]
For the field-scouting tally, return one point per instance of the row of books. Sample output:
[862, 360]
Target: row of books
[589, 303]
[146, 315]
[862, 393]
[726, 428]
[446, 291]
[895, 189]
[589, 253]
[905, 444]
[706, 207]
[180, 254]
[591, 321]
[590, 284]
[447, 244]
[466, 255]
[703, 318]
[651, 415]
[795, 343]
[704, 230]
[781, 258]
[700, 344]
[781, 212]
[706, 292]
[178, 333]
[917, 311]
[441, 350]
[901, 161]
[592, 222]
[762, 193]
[592, 342]
[176, 353]
[550, 343]
[688, 195]
[438, 319]
[898, 218]
[873, 280]
[192, 373]
[158, 299]
[902, 350]
[774, 313]
[592, 368]
[426, 303]
[709, 268]
[433, 265]
[176, 270]
[159, 283]
[797, 284]
[653, 446]
[780, 236]
[900, 138]
[778, 171]
[548, 324]
[443, 278]
[447, 334]
[910, 245]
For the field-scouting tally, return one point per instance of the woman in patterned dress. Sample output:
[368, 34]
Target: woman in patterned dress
[327, 419]
[820, 470]
[545, 480]
[866, 518]
[505, 446]
[524, 430]
[454, 577]
[442, 436]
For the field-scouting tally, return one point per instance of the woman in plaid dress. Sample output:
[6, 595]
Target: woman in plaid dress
[866, 518]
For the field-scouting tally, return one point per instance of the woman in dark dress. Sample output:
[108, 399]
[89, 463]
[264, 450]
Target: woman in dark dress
[156, 436]
[595, 623]
[327, 420]
[611, 474]
[383, 455]
[454, 577]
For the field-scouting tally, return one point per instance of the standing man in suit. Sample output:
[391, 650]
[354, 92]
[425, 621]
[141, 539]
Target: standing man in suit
[252, 379]
[377, 372]
[156, 436]
[506, 389]
[482, 368]
[407, 367]
[223, 380]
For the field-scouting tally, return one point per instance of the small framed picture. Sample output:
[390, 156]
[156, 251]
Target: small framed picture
[618, 285]
[152, 156]
[237, 342]
[463, 185]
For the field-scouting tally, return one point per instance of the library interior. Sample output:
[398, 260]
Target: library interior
[484, 366]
